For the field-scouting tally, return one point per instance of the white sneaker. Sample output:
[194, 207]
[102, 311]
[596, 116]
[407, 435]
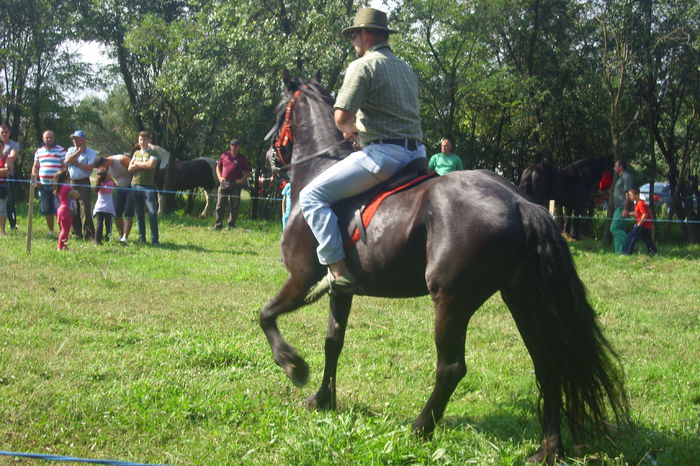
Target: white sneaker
[123, 240]
[51, 233]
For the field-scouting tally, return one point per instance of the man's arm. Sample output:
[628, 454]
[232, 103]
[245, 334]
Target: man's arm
[218, 173]
[643, 217]
[242, 179]
[133, 166]
[11, 159]
[72, 157]
[151, 163]
[345, 122]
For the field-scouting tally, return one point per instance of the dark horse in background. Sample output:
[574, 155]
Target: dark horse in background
[571, 187]
[459, 238]
[188, 175]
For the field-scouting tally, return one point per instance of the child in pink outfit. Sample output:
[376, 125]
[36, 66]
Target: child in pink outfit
[65, 192]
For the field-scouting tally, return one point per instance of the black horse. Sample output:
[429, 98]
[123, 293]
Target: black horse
[460, 238]
[571, 187]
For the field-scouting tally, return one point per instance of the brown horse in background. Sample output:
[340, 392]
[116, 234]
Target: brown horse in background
[459, 238]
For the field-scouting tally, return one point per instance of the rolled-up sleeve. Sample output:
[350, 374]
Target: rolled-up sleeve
[353, 92]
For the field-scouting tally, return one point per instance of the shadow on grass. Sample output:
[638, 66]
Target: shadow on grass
[637, 444]
[191, 247]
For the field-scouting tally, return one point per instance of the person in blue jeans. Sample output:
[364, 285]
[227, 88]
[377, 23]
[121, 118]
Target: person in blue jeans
[143, 166]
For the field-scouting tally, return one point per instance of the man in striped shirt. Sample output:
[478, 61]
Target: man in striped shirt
[48, 160]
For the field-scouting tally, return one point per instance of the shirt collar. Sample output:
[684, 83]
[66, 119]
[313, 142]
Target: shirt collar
[379, 46]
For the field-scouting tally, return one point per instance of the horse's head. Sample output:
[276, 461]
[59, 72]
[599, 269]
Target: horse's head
[304, 122]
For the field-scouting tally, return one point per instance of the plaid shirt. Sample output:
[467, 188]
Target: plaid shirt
[382, 91]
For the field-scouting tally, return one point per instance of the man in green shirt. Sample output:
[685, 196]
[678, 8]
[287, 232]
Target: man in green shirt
[445, 161]
[143, 166]
[377, 105]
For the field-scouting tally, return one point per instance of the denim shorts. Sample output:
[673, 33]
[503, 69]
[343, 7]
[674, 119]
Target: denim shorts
[48, 201]
[123, 203]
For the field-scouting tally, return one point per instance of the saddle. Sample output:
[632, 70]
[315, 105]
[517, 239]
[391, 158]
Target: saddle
[355, 213]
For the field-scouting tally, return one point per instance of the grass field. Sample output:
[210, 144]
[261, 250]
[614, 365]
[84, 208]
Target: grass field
[155, 355]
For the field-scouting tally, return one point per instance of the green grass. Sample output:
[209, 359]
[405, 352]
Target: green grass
[155, 355]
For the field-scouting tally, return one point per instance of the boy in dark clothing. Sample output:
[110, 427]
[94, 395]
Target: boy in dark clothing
[642, 227]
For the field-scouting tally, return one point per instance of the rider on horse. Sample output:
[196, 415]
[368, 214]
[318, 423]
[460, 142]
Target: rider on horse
[376, 106]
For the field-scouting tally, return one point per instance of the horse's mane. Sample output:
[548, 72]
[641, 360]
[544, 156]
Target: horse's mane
[591, 167]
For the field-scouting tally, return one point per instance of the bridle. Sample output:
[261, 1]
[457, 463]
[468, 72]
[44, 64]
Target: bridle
[283, 143]
[285, 137]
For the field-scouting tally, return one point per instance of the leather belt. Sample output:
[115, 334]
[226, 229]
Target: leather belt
[410, 144]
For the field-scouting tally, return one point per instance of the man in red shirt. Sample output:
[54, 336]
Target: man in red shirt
[232, 169]
[642, 227]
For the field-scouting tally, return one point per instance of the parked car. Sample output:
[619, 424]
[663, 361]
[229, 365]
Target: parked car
[662, 193]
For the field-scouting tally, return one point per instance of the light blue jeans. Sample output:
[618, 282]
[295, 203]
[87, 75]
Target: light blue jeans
[357, 173]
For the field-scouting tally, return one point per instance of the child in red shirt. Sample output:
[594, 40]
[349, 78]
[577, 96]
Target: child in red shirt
[642, 227]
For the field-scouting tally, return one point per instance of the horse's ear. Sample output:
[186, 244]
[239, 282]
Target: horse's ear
[318, 76]
[287, 78]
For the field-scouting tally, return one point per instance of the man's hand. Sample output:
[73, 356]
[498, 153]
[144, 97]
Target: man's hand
[345, 122]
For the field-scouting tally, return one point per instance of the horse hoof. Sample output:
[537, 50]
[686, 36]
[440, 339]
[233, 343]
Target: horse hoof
[297, 370]
[315, 404]
[542, 457]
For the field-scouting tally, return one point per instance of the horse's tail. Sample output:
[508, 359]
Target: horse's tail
[587, 366]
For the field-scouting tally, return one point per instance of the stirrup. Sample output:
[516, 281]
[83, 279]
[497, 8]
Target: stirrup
[327, 285]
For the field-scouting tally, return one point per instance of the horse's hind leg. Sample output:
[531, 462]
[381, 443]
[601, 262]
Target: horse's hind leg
[451, 318]
[207, 204]
[516, 297]
[289, 298]
[335, 338]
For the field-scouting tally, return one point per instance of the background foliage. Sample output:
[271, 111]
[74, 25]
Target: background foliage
[512, 82]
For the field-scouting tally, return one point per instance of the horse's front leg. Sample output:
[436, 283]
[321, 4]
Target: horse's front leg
[335, 338]
[289, 298]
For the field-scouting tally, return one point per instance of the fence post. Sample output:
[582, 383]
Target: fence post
[30, 212]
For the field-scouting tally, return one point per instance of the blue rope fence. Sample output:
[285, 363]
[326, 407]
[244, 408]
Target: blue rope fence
[40, 456]
[162, 191]
[157, 191]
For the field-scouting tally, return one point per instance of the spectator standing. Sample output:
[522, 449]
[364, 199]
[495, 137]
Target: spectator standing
[118, 168]
[622, 185]
[48, 160]
[642, 227]
[143, 166]
[232, 169]
[445, 161]
[64, 192]
[80, 160]
[4, 172]
[104, 206]
[11, 152]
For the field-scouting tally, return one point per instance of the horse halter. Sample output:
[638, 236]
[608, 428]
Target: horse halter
[285, 138]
